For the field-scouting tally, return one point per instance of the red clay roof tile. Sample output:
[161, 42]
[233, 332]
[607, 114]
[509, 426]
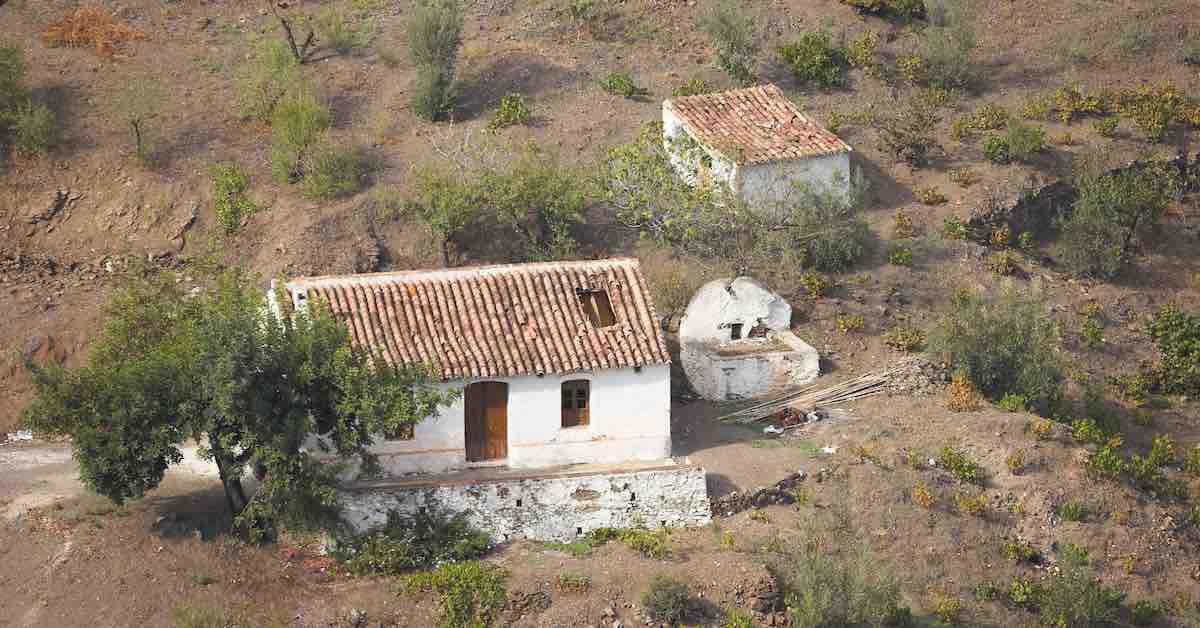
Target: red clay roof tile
[754, 125]
[497, 321]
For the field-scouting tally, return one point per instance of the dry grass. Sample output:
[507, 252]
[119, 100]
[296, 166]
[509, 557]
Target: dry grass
[961, 395]
[94, 27]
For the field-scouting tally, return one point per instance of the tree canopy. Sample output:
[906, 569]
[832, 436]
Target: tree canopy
[217, 364]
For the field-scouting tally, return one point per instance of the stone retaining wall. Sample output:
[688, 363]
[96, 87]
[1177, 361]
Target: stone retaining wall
[554, 508]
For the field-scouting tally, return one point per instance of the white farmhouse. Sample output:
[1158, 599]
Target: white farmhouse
[754, 141]
[563, 424]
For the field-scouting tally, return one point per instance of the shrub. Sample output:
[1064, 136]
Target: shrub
[1024, 140]
[903, 226]
[923, 497]
[1176, 335]
[1153, 108]
[1020, 551]
[1106, 463]
[813, 58]
[1041, 429]
[511, 110]
[332, 170]
[848, 323]
[830, 590]
[964, 176]
[12, 77]
[1024, 592]
[1191, 461]
[569, 582]
[434, 37]
[33, 127]
[816, 284]
[693, 87]
[907, 133]
[405, 543]
[863, 53]
[1144, 612]
[738, 619]
[1109, 213]
[337, 30]
[929, 196]
[91, 26]
[1003, 264]
[539, 200]
[621, 84]
[900, 256]
[953, 228]
[1073, 102]
[1012, 403]
[1106, 127]
[961, 395]
[961, 466]
[1003, 345]
[299, 122]
[1072, 511]
[733, 39]
[948, 609]
[267, 77]
[949, 44]
[1073, 597]
[1148, 470]
[903, 338]
[910, 9]
[666, 599]
[997, 150]
[1015, 461]
[230, 204]
[976, 505]
[651, 544]
[470, 593]
[990, 117]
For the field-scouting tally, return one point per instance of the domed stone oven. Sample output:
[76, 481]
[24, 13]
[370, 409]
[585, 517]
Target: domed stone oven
[736, 342]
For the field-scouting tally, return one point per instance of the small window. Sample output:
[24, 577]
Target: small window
[575, 395]
[597, 307]
[735, 331]
[404, 432]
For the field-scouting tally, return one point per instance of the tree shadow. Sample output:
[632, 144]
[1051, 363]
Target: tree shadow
[202, 513]
[719, 485]
[520, 73]
[61, 101]
[883, 191]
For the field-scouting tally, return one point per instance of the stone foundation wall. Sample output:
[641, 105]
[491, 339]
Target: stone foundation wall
[556, 508]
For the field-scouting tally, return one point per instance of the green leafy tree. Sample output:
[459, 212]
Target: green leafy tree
[172, 365]
[540, 201]
[447, 202]
[1100, 235]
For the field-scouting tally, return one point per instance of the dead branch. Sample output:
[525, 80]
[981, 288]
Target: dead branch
[300, 51]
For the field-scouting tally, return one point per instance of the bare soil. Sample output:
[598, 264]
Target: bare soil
[74, 559]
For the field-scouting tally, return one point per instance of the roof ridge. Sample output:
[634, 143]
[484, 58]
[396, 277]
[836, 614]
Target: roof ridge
[434, 274]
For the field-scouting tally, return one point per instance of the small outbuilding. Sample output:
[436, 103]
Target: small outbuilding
[736, 342]
[754, 141]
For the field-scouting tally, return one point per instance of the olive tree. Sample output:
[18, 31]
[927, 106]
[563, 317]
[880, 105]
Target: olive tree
[287, 393]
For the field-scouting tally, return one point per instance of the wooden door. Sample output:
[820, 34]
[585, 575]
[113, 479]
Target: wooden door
[486, 421]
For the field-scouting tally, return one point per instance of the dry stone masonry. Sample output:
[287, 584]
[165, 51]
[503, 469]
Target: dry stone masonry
[554, 508]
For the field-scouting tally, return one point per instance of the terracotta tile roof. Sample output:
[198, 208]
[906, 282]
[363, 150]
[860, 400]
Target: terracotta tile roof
[754, 125]
[496, 321]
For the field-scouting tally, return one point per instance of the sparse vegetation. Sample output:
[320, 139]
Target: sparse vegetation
[923, 497]
[905, 338]
[1003, 345]
[666, 599]
[434, 37]
[959, 464]
[929, 196]
[900, 255]
[1072, 511]
[406, 543]
[621, 84]
[849, 323]
[1176, 335]
[692, 87]
[470, 593]
[907, 133]
[732, 36]
[814, 59]
[230, 203]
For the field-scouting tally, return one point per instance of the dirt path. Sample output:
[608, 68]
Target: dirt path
[38, 474]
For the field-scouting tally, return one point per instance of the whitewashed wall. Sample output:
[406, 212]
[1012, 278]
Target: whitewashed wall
[550, 508]
[776, 181]
[766, 184]
[630, 420]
